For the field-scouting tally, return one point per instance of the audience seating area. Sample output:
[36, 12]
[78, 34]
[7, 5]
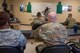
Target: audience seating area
[5, 49]
[55, 49]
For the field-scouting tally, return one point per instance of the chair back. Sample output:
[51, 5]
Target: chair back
[56, 49]
[9, 50]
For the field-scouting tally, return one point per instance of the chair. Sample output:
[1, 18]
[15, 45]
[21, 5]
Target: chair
[56, 49]
[75, 49]
[4, 49]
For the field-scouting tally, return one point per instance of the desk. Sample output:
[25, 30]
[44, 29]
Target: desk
[75, 38]
[15, 25]
[71, 32]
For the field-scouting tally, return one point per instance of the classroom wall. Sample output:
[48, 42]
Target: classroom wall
[8, 3]
[1, 5]
[26, 18]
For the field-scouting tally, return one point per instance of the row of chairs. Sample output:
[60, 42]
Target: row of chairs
[71, 48]
[10, 49]
[55, 49]
[49, 49]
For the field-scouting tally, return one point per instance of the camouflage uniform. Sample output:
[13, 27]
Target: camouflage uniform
[10, 37]
[38, 21]
[70, 22]
[51, 34]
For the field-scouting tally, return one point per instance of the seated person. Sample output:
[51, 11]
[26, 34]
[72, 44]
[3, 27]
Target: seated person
[37, 21]
[10, 37]
[70, 22]
[45, 13]
[12, 17]
[51, 33]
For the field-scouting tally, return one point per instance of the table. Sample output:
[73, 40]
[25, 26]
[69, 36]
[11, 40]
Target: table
[71, 32]
[15, 25]
[73, 36]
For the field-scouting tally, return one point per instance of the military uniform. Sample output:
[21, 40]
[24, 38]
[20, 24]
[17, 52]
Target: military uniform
[10, 37]
[51, 34]
[70, 22]
[37, 22]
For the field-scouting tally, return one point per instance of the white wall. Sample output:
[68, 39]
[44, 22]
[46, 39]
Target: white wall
[40, 7]
[1, 5]
[25, 17]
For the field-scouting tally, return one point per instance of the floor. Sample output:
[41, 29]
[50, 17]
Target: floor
[30, 46]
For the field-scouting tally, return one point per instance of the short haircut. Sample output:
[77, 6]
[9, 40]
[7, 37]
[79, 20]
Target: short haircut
[4, 18]
[52, 16]
[69, 14]
[38, 14]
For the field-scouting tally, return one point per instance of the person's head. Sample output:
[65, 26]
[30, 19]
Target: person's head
[38, 14]
[7, 11]
[4, 0]
[52, 17]
[11, 16]
[69, 15]
[46, 9]
[4, 19]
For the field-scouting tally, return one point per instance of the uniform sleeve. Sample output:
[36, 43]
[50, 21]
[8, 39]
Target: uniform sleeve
[63, 31]
[36, 34]
[39, 33]
[23, 40]
[43, 33]
[66, 21]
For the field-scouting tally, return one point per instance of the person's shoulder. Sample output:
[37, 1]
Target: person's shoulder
[16, 31]
[73, 18]
[59, 25]
[35, 19]
[46, 25]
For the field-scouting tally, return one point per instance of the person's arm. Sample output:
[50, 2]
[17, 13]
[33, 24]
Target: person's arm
[66, 22]
[43, 34]
[44, 37]
[32, 23]
[39, 34]
[36, 34]
[23, 41]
